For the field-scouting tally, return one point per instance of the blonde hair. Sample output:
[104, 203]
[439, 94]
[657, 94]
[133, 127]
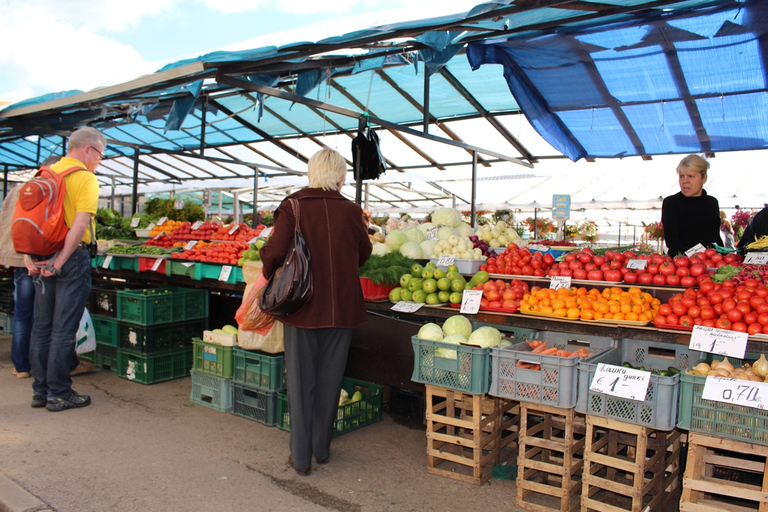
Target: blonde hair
[694, 163]
[326, 169]
[85, 136]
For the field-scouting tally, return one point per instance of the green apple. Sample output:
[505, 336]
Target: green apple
[457, 285]
[438, 273]
[431, 264]
[432, 299]
[443, 283]
[444, 296]
[429, 286]
[453, 275]
[415, 284]
[404, 279]
[260, 243]
[419, 296]
[394, 295]
[406, 294]
[455, 298]
[427, 273]
[416, 270]
[453, 268]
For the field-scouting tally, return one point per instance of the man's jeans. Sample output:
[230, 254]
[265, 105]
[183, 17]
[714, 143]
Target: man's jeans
[23, 308]
[59, 304]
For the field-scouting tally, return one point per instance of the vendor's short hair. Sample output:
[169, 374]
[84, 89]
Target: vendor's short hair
[85, 136]
[326, 168]
[693, 163]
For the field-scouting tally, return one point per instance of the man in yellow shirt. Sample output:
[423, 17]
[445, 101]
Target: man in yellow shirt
[61, 294]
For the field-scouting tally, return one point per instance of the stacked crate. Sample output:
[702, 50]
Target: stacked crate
[155, 329]
[258, 378]
[6, 305]
[212, 371]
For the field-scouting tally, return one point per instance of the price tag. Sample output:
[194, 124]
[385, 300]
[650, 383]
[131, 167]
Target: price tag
[637, 264]
[738, 392]
[178, 204]
[266, 232]
[107, 261]
[470, 301]
[253, 240]
[556, 282]
[446, 260]
[432, 233]
[719, 341]
[162, 233]
[151, 226]
[162, 220]
[756, 258]
[188, 263]
[539, 248]
[407, 306]
[619, 381]
[190, 245]
[135, 222]
[234, 228]
[157, 263]
[225, 271]
[197, 225]
[695, 249]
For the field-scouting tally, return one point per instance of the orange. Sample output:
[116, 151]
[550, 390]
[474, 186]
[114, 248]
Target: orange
[558, 303]
[643, 317]
[561, 312]
[637, 309]
[587, 314]
[573, 313]
[598, 315]
[546, 309]
[614, 307]
[619, 316]
[603, 307]
[631, 316]
[570, 303]
[626, 308]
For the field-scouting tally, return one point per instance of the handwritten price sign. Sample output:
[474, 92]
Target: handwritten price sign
[719, 341]
[559, 282]
[619, 381]
[470, 301]
[407, 306]
[737, 392]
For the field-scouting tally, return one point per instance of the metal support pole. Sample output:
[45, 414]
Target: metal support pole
[474, 190]
[236, 207]
[38, 151]
[202, 126]
[426, 101]
[112, 199]
[619, 244]
[5, 181]
[135, 188]
[255, 219]
[367, 196]
[535, 224]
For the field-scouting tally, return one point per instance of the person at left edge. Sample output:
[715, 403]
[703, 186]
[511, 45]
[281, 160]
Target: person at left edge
[60, 298]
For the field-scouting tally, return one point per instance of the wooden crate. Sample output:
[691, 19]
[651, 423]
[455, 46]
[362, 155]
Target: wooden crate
[629, 467]
[724, 474]
[551, 446]
[468, 435]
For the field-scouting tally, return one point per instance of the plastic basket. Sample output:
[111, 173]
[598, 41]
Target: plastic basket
[106, 330]
[106, 358]
[150, 339]
[161, 305]
[461, 367]
[6, 323]
[180, 268]
[147, 264]
[103, 300]
[213, 271]
[255, 404]
[213, 358]
[259, 369]
[211, 391]
[372, 291]
[152, 368]
[350, 416]
[555, 383]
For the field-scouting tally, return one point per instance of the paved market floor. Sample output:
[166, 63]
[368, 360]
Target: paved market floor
[148, 448]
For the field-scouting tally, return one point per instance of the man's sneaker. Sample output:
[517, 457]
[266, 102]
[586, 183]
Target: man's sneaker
[39, 401]
[83, 366]
[72, 401]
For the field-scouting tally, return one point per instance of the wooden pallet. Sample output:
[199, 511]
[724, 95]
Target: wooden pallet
[549, 461]
[629, 467]
[711, 461]
[468, 435]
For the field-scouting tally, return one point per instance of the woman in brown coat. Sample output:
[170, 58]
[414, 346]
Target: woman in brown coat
[317, 337]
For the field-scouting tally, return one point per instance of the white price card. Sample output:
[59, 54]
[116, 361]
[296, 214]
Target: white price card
[432, 233]
[695, 249]
[556, 282]
[756, 258]
[197, 225]
[470, 301]
[157, 263]
[178, 204]
[637, 264]
[107, 261]
[719, 341]
[190, 245]
[226, 270]
[446, 260]
[162, 233]
[135, 222]
[266, 232]
[162, 220]
[234, 228]
[253, 240]
[619, 381]
[737, 392]
[407, 306]
[188, 263]
[539, 248]
[151, 226]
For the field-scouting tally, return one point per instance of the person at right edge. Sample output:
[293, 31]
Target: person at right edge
[757, 227]
[318, 336]
[60, 298]
[691, 216]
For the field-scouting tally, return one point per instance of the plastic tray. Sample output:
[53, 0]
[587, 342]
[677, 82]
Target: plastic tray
[163, 305]
[213, 358]
[375, 292]
[211, 391]
[673, 327]
[152, 368]
[259, 369]
[555, 383]
[464, 266]
[255, 404]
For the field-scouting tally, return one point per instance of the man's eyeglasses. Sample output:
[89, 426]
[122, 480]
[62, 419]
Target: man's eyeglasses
[101, 155]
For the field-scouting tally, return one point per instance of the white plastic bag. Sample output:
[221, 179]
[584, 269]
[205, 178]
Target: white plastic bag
[86, 337]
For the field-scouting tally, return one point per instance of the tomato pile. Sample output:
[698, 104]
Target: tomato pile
[224, 253]
[502, 294]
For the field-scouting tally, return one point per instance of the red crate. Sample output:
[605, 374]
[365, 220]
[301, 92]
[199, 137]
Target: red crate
[146, 264]
[373, 291]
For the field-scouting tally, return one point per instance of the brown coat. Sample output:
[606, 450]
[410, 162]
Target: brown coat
[338, 244]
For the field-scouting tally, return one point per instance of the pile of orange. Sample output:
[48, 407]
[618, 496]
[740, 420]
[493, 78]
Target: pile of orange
[580, 303]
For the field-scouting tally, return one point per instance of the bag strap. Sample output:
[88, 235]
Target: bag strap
[295, 208]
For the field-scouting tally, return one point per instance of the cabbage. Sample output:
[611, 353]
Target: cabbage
[426, 248]
[430, 331]
[380, 249]
[411, 250]
[395, 239]
[457, 324]
[445, 232]
[454, 339]
[465, 229]
[414, 235]
[485, 337]
[424, 227]
[447, 217]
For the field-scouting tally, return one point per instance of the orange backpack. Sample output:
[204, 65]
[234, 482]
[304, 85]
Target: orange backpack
[38, 227]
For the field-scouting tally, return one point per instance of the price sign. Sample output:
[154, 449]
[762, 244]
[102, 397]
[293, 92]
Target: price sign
[619, 381]
[446, 260]
[162, 220]
[756, 258]
[157, 263]
[695, 249]
[151, 226]
[197, 225]
[107, 261]
[407, 306]
[234, 228]
[561, 206]
[719, 341]
[188, 263]
[737, 392]
[637, 264]
[539, 248]
[556, 282]
[191, 244]
[162, 233]
[178, 204]
[470, 301]
[432, 233]
[253, 240]
[226, 270]
[135, 222]
[266, 232]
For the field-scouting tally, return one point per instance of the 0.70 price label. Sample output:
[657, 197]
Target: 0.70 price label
[736, 392]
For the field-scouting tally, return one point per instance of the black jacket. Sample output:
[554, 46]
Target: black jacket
[688, 221]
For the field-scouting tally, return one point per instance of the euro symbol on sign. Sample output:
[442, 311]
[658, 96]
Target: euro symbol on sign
[600, 380]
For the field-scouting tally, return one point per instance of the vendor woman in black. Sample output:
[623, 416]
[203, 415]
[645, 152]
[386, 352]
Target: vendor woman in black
[691, 216]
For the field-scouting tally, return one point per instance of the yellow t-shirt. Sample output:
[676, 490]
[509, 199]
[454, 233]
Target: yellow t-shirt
[82, 192]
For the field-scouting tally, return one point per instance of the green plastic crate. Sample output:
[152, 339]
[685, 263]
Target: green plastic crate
[350, 416]
[255, 404]
[180, 268]
[213, 271]
[105, 329]
[153, 368]
[6, 323]
[259, 370]
[213, 358]
[211, 391]
[88, 356]
[151, 339]
[161, 305]
[106, 358]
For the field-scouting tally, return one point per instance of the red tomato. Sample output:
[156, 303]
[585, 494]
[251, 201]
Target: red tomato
[665, 309]
[686, 320]
[729, 304]
[660, 319]
[739, 326]
[743, 307]
[754, 328]
[694, 311]
[659, 279]
[672, 320]
[673, 280]
[630, 277]
[762, 318]
[645, 278]
[708, 323]
[679, 309]
[613, 275]
[687, 281]
[723, 323]
[707, 313]
[734, 315]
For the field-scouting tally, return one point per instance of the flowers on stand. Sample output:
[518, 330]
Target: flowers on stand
[740, 220]
[542, 226]
[654, 231]
[588, 231]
